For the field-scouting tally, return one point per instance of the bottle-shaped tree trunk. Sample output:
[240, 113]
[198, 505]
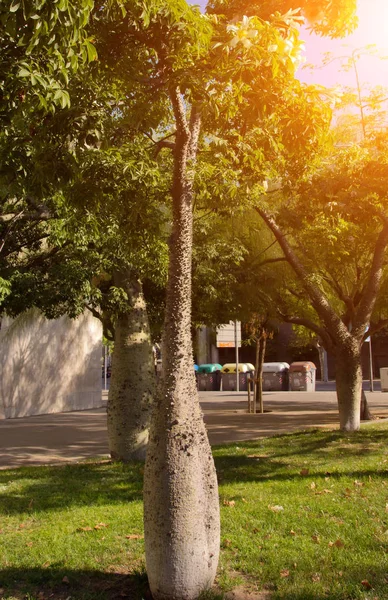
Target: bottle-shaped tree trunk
[349, 384]
[181, 507]
[133, 376]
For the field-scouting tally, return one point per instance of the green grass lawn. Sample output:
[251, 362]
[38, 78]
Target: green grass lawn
[304, 516]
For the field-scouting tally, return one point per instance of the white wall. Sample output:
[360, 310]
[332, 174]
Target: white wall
[49, 366]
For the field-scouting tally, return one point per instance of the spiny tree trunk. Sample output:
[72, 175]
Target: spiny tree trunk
[349, 385]
[181, 509]
[133, 376]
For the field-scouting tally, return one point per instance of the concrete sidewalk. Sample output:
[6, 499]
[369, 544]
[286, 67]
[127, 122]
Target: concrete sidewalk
[75, 436]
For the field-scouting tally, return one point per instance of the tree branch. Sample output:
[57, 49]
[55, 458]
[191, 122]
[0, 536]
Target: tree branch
[182, 126]
[272, 260]
[319, 331]
[372, 287]
[318, 299]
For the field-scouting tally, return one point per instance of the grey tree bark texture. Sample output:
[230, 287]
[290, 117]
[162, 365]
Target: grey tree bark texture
[349, 385]
[133, 380]
[181, 506]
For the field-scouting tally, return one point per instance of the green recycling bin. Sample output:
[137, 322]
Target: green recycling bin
[209, 377]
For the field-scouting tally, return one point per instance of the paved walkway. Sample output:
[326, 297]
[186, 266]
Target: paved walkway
[74, 436]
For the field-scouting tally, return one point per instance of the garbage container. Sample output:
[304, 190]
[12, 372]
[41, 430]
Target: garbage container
[302, 376]
[275, 376]
[229, 379]
[196, 374]
[209, 377]
[384, 379]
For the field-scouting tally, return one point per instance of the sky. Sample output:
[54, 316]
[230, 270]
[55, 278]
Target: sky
[372, 29]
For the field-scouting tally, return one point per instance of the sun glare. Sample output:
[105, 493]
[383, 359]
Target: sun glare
[373, 22]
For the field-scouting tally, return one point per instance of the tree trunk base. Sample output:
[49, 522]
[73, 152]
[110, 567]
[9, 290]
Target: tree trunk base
[365, 414]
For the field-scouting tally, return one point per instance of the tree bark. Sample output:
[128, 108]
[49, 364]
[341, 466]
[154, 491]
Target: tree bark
[259, 366]
[181, 508]
[349, 385]
[132, 385]
[365, 414]
[334, 333]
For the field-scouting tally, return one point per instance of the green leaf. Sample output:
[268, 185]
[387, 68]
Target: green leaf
[91, 50]
[63, 5]
[15, 5]
[23, 73]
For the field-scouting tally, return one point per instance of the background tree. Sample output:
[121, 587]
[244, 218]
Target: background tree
[327, 233]
[81, 206]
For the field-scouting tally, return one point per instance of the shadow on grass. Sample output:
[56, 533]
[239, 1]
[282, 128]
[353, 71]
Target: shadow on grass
[56, 487]
[327, 447]
[60, 584]
[103, 482]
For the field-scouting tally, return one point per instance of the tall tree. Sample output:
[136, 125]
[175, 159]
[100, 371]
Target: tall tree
[334, 235]
[180, 492]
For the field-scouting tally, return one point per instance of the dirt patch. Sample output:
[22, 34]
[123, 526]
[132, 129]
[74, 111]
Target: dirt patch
[241, 593]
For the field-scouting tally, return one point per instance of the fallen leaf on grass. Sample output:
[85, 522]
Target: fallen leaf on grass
[276, 508]
[229, 503]
[46, 564]
[305, 472]
[337, 544]
[226, 543]
[29, 544]
[285, 573]
[65, 579]
[292, 532]
[359, 483]
[134, 536]
[313, 485]
[316, 577]
[316, 539]
[87, 528]
[365, 583]
[100, 526]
